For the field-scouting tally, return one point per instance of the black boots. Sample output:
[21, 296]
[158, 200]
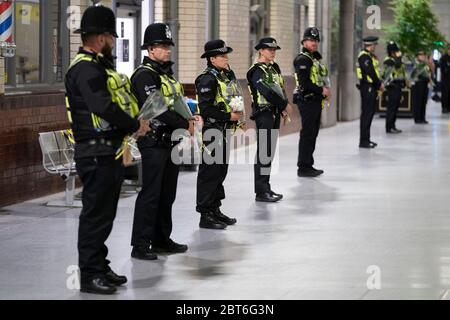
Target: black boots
[143, 253]
[309, 172]
[268, 197]
[215, 220]
[98, 285]
[169, 247]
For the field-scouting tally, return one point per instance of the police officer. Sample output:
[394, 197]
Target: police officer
[394, 76]
[368, 72]
[211, 86]
[444, 64]
[267, 107]
[153, 211]
[100, 108]
[421, 76]
[310, 96]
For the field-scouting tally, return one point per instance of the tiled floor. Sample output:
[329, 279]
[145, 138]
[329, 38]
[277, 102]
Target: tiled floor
[376, 218]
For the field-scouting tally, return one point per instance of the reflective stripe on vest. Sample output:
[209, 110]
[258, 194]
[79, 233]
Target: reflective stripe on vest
[397, 73]
[375, 64]
[273, 76]
[226, 90]
[118, 86]
[170, 87]
[315, 73]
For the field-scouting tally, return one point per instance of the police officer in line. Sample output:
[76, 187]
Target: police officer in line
[267, 107]
[444, 64]
[394, 77]
[217, 114]
[421, 76]
[370, 84]
[101, 110]
[153, 211]
[310, 95]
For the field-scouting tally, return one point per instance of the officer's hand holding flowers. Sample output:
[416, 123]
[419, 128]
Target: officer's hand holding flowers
[144, 127]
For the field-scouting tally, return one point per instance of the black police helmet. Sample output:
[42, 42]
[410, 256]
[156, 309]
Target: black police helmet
[392, 47]
[157, 33]
[311, 33]
[267, 43]
[98, 19]
[215, 47]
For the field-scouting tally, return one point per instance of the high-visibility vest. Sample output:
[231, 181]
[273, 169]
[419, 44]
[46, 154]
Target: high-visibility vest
[317, 71]
[170, 87]
[118, 86]
[396, 73]
[226, 91]
[375, 63]
[272, 76]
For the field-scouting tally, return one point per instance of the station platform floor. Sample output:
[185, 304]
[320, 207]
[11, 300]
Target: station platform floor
[376, 225]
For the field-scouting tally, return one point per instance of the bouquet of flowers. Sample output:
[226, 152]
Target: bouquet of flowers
[235, 100]
[273, 85]
[154, 106]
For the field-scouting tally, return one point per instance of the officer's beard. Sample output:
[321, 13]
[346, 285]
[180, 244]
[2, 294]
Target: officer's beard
[107, 52]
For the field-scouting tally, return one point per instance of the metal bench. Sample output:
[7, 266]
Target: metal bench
[58, 158]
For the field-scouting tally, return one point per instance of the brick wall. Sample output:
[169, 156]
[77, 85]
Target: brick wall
[281, 28]
[192, 34]
[234, 29]
[22, 117]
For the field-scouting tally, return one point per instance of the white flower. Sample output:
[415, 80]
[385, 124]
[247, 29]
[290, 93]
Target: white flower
[237, 104]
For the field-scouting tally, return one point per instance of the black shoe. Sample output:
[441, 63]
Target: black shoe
[421, 122]
[309, 172]
[98, 285]
[143, 253]
[276, 194]
[367, 145]
[266, 197]
[393, 130]
[319, 172]
[208, 221]
[373, 143]
[445, 111]
[115, 279]
[223, 218]
[170, 247]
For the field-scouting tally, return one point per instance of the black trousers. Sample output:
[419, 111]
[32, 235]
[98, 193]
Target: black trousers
[310, 113]
[102, 179]
[211, 176]
[419, 93]
[394, 97]
[267, 125]
[153, 211]
[445, 95]
[368, 107]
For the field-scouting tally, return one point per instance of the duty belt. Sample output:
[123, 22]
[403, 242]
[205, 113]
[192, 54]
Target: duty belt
[103, 141]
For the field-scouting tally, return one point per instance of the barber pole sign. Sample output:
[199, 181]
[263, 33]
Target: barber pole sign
[6, 20]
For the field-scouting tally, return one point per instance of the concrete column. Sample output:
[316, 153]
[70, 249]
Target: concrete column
[329, 115]
[348, 95]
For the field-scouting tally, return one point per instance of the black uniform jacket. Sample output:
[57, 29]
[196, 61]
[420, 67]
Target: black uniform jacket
[254, 77]
[367, 68]
[86, 87]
